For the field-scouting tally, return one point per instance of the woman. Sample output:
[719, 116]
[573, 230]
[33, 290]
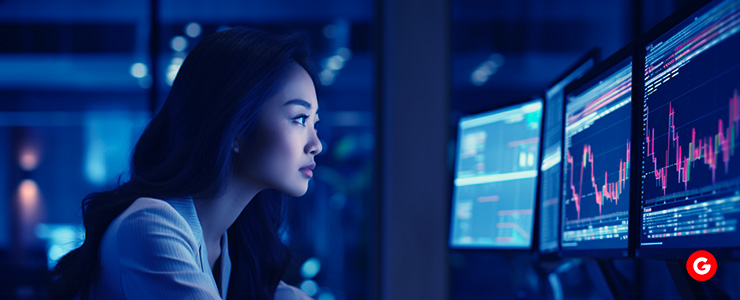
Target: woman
[201, 216]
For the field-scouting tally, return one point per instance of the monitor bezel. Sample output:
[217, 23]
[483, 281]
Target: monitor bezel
[593, 54]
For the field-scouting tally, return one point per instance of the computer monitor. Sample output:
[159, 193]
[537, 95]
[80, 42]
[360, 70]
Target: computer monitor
[596, 161]
[552, 145]
[495, 178]
[690, 187]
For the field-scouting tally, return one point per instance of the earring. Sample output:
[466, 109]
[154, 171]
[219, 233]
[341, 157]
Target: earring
[236, 147]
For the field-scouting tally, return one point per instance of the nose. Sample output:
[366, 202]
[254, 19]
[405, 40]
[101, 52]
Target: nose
[314, 144]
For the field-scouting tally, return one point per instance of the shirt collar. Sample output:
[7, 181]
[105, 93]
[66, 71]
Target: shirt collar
[186, 208]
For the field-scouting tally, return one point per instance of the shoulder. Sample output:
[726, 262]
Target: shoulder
[150, 252]
[150, 217]
[149, 210]
[146, 212]
[150, 205]
[289, 292]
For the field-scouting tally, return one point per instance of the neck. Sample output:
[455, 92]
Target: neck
[217, 214]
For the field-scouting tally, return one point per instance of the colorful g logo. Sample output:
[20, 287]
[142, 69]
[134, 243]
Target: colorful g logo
[701, 265]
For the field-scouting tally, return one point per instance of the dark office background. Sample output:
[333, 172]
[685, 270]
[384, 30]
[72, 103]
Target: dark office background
[80, 79]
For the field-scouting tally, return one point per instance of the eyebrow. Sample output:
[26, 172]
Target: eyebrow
[300, 102]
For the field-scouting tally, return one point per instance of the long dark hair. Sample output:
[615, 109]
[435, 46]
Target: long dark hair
[185, 151]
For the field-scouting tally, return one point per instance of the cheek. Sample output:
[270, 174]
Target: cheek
[280, 153]
[277, 154]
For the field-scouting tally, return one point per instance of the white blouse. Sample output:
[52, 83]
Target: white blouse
[155, 249]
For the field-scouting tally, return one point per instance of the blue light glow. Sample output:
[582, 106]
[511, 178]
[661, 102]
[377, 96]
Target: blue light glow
[326, 296]
[139, 70]
[310, 268]
[193, 29]
[179, 43]
[60, 239]
[310, 287]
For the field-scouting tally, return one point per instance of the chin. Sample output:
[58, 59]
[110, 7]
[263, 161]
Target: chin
[296, 191]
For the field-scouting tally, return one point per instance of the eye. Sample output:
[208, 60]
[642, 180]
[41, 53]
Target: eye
[301, 119]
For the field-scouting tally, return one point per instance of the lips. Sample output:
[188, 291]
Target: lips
[308, 170]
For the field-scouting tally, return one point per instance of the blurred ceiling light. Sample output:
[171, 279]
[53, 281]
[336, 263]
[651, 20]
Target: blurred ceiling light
[28, 199]
[179, 43]
[334, 62]
[310, 287]
[29, 158]
[28, 191]
[193, 29]
[326, 77]
[310, 268]
[326, 296]
[478, 77]
[139, 70]
[486, 69]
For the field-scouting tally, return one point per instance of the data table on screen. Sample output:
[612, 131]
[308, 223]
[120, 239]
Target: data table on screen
[496, 178]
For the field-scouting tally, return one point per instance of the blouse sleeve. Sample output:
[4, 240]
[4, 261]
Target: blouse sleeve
[289, 292]
[158, 257]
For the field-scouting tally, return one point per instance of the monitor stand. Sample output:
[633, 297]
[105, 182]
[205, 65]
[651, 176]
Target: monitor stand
[690, 289]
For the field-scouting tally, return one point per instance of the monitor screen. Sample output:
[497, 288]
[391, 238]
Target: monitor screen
[552, 137]
[596, 161]
[690, 190]
[496, 178]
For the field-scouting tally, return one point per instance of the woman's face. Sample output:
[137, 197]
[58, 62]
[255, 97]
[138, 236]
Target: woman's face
[281, 156]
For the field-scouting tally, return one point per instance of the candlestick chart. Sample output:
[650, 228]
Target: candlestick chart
[690, 170]
[597, 163]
